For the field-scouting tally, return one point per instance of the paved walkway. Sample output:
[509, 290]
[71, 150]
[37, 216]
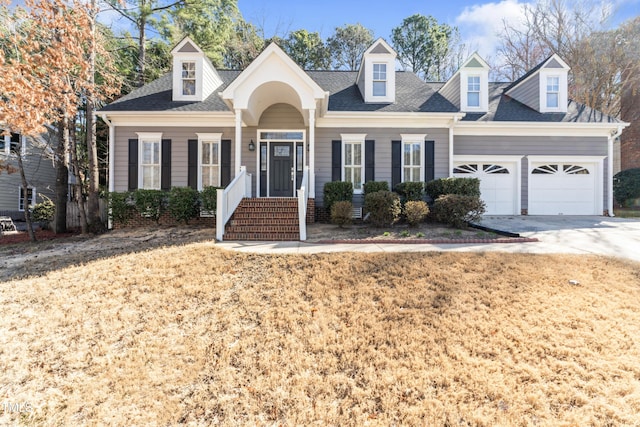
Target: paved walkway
[564, 234]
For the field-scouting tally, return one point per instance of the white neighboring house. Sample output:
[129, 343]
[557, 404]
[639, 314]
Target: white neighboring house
[39, 171]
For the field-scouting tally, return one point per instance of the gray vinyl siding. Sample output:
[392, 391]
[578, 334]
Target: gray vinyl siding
[382, 138]
[451, 90]
[534, 146]
[40, 175]
[528, 92]
[179, 150]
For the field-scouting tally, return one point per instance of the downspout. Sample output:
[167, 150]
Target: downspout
[112, 137]
[613, 136]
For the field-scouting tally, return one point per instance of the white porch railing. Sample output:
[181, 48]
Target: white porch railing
[303, 197]
[229, 199]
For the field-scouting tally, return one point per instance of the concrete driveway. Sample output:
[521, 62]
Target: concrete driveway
[600, 235]
[556, 234]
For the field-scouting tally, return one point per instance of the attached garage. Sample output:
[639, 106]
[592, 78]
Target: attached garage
[499, 180]
[564, 185]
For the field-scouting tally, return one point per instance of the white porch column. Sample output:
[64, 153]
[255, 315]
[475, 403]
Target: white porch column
[312, 154]
[238, 141]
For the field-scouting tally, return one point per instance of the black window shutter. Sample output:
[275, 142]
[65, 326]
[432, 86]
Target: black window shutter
[336, 160]
[165, 170]
[192, 174]
[133, 164]
[429, 160]
[369, 161]
[396, 163]
[225, 162]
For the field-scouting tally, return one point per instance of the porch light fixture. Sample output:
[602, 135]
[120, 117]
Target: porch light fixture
[252, 146]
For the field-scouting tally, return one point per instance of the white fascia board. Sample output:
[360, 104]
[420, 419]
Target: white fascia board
[387, 120]
[565, 159]
[177, 119]
[536, 128]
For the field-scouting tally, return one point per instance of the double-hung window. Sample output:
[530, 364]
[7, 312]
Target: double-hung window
[11, 143]
[473, 91]
[379, 79]
[553, 91]
[188, 78]
[150, 160]
[353, 160]
[412, 158]
[209, 160]
[31, 196]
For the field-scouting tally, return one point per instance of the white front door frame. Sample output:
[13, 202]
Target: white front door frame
[305, 148]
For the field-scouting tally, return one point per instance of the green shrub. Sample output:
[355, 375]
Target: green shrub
[626, 187]
[415, 211]
[383, 208]
[43, 211]
[149, 203]
[460, 186]
[373, 186]
[119, 207]
[183, 203]
[457, 210]
[209, 200]
[342, 213]
[410, 191]
[337, 191]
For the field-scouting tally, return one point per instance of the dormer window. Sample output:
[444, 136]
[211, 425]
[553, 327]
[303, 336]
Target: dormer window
[188, 78]
[379, 79]
[473, 91]
[553, 91]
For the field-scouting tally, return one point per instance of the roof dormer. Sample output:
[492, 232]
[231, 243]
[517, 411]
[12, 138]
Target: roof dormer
[544, 88]
[474, 85]
[377, 77]
[194, 77]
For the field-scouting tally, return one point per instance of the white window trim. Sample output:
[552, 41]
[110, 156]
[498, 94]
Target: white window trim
[374, 80]
[547, 92]
[562, 90]
[149, 137]
[209, 137]
[484, 90]
[353, 138]
[7, 145]
[195, 79]
[478, 91]
[412, 139]
[33, 197]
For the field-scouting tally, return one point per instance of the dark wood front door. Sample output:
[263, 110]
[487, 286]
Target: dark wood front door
[281, 164]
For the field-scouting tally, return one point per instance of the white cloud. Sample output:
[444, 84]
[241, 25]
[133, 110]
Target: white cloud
[480, 24]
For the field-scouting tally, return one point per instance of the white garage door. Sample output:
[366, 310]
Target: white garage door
[498, 181]
[563, 188]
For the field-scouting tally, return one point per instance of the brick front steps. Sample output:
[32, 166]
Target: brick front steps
[264, 219]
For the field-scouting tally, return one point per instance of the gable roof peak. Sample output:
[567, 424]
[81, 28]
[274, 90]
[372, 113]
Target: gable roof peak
[186, 45]
[380, 46]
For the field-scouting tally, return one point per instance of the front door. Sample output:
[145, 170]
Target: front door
[280, 169]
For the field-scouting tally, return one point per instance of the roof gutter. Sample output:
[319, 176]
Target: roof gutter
[614, 134]
[112, 138]
[456, 119]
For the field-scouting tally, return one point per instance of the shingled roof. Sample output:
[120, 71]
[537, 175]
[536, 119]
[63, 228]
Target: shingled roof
[412, 95]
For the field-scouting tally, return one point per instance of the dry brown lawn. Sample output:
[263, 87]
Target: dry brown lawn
[196, 335]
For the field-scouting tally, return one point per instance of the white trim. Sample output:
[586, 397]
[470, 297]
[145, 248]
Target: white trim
[563, 100]
[598, 161]
[295, 154]
[33, 197]
[410, 120]
[413, 138]
[7, 144]
[516, 161]
[535, 129]
[149, 137]
[353, 138]
[216, 138]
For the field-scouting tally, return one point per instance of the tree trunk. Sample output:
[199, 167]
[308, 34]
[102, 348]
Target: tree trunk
[78, 194]
[142, 50]
[93, 192]
[62, 179]
[25, 198]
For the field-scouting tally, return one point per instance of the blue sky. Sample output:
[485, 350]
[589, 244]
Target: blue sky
[478, 21]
